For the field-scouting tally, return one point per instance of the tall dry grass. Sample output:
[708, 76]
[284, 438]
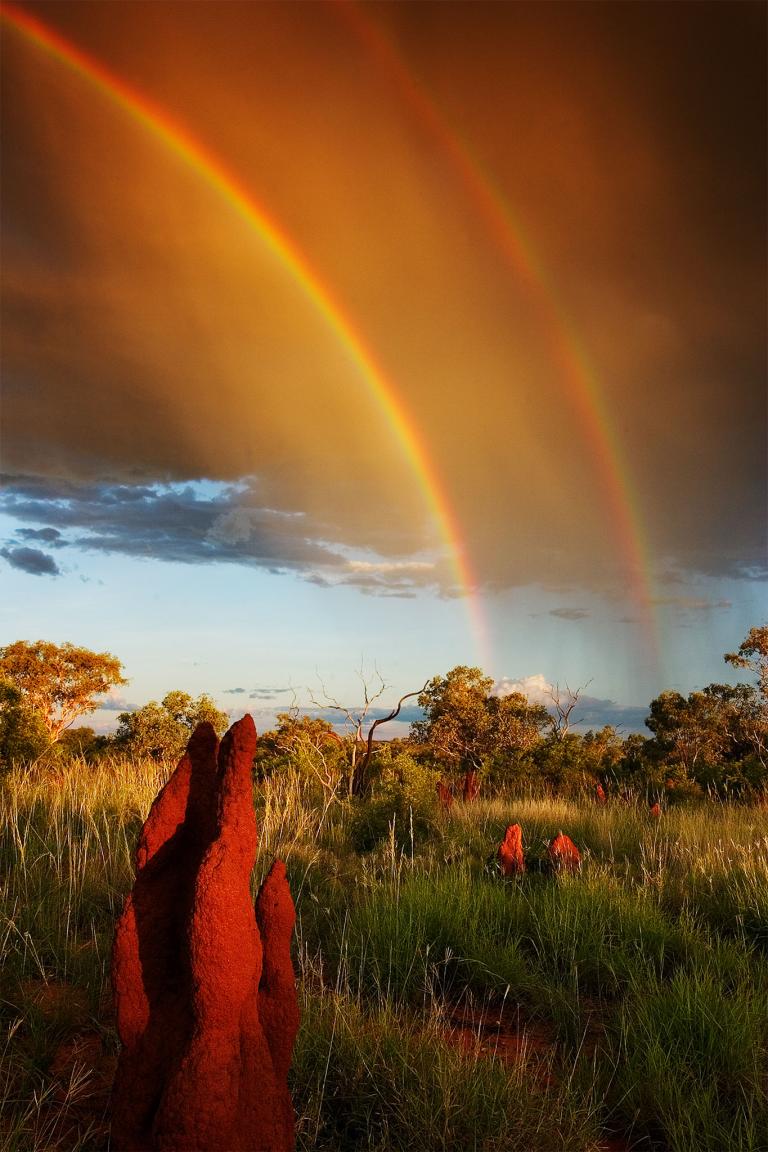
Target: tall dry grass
[647, 971]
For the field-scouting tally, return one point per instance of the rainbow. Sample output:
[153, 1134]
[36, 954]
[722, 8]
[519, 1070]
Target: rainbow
[567, 348]
[210, 169]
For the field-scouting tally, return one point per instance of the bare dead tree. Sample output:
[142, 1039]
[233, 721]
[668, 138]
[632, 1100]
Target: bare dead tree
[564, 704]
[360, 778]
[355, 718]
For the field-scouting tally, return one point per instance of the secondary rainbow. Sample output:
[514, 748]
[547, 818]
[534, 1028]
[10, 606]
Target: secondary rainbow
[209, 168]
[566, 346]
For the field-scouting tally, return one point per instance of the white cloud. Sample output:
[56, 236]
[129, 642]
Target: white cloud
[115, 703]
[391, 566]
[536, 688]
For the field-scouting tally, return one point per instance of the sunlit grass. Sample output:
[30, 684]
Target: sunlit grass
[647, 970]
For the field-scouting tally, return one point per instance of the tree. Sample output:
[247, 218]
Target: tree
[604, 751]
[58, 682]
[81, 743]
[162, 730]
[564, 704]
[23, 736]
[516, 723]
[362, 744]
[718, 737]
[753, 654]
[688, 731]
[570, 763]
[456, 724]
[464, 725]
[190, 713]
[294, 732]
[311, 744]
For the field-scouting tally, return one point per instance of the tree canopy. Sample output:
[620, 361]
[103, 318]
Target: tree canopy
[162, 730]
[22, 733]
[464, 724]
[58, 682]
[753, 654]
[715, 739]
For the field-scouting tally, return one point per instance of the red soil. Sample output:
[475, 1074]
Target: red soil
[500, 1031]
[503, 1032]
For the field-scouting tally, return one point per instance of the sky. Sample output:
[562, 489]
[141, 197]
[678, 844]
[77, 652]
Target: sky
[352, 340]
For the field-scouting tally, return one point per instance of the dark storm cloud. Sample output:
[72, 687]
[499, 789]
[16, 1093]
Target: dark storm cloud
[31, 560]
[49, 535]
[401, 581]
[408, 714]
[590, 713]
[167, 523]
[393, 578]
[187, 524]
[369, 586]
[150, 339]
[593, 713]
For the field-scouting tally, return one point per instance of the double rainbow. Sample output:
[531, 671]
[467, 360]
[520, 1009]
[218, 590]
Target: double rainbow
[241, 200]
[567, 349]
[511, 240]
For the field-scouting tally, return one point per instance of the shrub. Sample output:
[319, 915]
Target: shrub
[403, 803]
[23, 736]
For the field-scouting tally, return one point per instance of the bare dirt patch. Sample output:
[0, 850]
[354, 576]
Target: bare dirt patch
[502, 1031]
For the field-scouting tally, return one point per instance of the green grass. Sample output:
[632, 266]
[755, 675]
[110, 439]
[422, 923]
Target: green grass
[641, 983]
[366, 1076]
[690, 1056]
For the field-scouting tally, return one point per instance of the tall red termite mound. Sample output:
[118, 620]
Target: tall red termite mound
[471, 787]
[511, 851]
[564, 854]
[204, 988]
[444, 796]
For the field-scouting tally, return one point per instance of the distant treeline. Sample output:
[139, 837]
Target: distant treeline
[714, 741]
